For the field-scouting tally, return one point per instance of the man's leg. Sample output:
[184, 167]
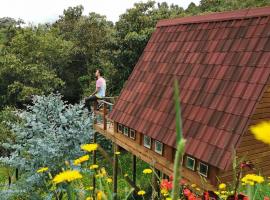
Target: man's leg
[89, 101]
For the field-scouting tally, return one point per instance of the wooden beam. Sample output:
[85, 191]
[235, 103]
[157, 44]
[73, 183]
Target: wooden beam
[94, 160]
[115, 172]
[134, 169]
[104, 116]
[155, 184]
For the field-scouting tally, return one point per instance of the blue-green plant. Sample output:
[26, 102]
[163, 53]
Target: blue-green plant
[50, 132]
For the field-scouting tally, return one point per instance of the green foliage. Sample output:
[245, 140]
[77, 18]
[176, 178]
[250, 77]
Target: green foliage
[51, 133]
[19, 80]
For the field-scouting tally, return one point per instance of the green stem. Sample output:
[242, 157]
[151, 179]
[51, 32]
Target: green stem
[177, 169]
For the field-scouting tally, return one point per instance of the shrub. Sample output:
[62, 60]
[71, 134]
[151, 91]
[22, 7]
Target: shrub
[50, 133]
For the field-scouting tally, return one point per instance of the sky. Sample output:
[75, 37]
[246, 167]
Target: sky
[41, 11]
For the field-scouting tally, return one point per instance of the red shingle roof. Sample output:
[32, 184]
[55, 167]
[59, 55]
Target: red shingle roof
[222, 64]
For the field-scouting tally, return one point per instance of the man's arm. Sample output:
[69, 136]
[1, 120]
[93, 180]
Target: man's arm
[97, 90]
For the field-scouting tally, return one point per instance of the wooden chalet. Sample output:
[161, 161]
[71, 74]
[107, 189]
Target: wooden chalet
[222, 64]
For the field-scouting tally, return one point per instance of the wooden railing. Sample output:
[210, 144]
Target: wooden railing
[102, 108]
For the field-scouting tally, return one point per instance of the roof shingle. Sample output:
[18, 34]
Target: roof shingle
[222, 64]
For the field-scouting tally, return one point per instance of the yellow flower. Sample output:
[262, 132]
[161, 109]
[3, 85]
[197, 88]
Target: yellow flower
[223, 196]
[222, 186]
[89, 147]
[261, 131]
[89, 198]
[89, 188]
[251, 179]
[69, 175]
[99, 195]
[164, 192]
[81, 160]
[43, 169]
[141, 193]
[117, 153]
[103, 171]
[147, 171]
[66, 163]
[193, 185]
[109, 180]
[93, 166]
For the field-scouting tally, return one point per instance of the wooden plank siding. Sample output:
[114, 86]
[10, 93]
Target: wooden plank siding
[251, 149]
[164, 162]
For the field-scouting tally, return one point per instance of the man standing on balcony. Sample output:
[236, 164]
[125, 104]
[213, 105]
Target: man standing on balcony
[99, 92]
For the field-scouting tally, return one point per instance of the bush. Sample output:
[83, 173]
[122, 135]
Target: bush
[50, 133]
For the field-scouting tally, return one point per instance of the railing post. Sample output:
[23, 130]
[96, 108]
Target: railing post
[94, 110]
[104, 116]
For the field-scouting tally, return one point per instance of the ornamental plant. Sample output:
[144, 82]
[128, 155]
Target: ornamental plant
[49, 133]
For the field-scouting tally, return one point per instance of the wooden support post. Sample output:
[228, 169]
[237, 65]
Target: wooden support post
[94, 110]
[134, 169]
[94, 161]
[104, 116]
[155, 183]
[115, 172]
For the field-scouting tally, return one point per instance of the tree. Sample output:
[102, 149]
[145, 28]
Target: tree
[92, 37]
[133, 31]
[19, 81]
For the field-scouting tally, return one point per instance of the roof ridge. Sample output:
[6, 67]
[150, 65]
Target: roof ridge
[217, 16]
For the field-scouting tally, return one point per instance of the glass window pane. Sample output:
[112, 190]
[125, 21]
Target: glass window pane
[147, 141]
[203, 169]
[158, 147]
[190, 163]
[120, 128]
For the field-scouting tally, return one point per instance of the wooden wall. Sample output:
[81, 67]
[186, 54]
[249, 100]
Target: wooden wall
[251, 149]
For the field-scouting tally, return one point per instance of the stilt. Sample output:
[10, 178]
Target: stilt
[94, 161]
[115, 172]
[134, 161]
[155, 183]
[17, 174]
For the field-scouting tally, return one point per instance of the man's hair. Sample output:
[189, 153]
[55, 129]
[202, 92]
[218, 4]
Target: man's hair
[100, 72]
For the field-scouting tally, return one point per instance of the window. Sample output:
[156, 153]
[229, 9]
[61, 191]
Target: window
[158, 147]
[132, 134]
[119, 128]
[126, 131]
[190, 163]
[203, 169]
[147, 141]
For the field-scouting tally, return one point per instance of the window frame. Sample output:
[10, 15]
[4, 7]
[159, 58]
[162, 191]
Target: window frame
[146, 145]
[120, 130]
[124, 132]
[199, 169]
[194, 161]
[159, 152]
[130, 135]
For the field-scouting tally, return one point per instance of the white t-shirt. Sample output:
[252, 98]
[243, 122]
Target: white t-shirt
[101, 83]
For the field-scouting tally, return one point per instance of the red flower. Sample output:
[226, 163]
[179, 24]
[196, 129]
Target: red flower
[183, 182]
[165, 184]
[266, 198]
[187, 192]
[206, 195]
